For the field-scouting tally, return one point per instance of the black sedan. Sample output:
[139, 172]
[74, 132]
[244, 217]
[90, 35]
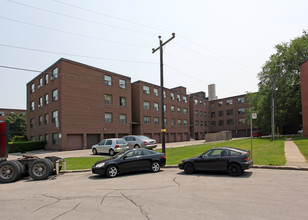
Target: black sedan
[129, 161]
[232, 160]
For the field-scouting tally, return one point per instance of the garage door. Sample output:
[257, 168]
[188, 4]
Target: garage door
[92, 139]
[74, 141]
[185, 137]
[156, 136]
[172, 137]
[179, 137]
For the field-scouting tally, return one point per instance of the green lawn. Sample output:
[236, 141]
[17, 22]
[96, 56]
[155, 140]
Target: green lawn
[302, 144]
[81, 162]
[265, 152]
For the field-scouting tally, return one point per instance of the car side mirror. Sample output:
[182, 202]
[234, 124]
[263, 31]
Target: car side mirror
[124, 158]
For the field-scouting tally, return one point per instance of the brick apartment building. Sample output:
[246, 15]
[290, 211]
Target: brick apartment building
[4, 112]
[72, 106]
[304, 92]
[146, 114]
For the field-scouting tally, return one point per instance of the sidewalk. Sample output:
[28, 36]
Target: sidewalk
[294, 157]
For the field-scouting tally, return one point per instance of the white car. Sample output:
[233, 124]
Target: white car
[137, 141]
[110, 146]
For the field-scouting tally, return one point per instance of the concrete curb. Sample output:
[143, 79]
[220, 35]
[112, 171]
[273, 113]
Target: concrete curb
[175, 166]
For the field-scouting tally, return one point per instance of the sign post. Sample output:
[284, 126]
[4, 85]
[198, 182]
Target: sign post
[252, 116]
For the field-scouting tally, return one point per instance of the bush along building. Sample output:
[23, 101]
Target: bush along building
[72, 106]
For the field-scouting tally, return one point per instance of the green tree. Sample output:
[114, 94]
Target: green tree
[17, 125]
[281, 73]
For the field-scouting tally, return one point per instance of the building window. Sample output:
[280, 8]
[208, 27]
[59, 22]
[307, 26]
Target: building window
[2, 114]
[46, 99]
[200, 103]
[205, 123]
[242, 121]
[32, 88]
[46, 79]
[54, 116]
[172, 109]
[178, 97]
[40, 120]
[46, 119]
[122, 101]
[229, 111]
[32, 106]
[156, 107]
[108, 99]
[213, 105]
[196, 102]
[32, 138]
[155, 92]
[156, 121]
[213, 123]
[230, 122]
[179, 109]
[108, 80]
[41, 138]
[185, 111]
[165, 121]
[229, 102]
[204, 104]
[212, 114]
[179, 122]
[197, 123]
[172, 121]
[205, 114]
[123, 119]
[201, 113]
[221, 122]
[54, 95]
[146, 105]
[147, 120]
[108, 117]
[55, 138]
[241, 110]
[185, 122]
[165, 108]
[196, 113]
[31, 122]
[40, 85]
[220, 113]
[165, 95]
[220, 103]
[40, 102]
[201, 123]
[54, 73]
[241, 100]
[122, 83]
[46, 139]
[146, 90]
[172, 96]
[185, 99]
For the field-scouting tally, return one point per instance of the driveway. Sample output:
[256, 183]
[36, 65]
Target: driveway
[169, 194]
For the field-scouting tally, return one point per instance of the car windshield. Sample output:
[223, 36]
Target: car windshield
[121, 141]
[119, 155]
[143, 137]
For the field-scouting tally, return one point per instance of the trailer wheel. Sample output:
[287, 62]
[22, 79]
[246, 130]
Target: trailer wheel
[39, 169]
[22, 167]
[51, 165]
[9, 171]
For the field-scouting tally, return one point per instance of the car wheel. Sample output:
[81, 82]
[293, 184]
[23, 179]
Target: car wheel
[111, 152]
[234, 169]
[189, 168]
[112, 171]
[155, 166]
[136, 146]
[94, 151]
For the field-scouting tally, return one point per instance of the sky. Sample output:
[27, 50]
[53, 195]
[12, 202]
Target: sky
[218, 42]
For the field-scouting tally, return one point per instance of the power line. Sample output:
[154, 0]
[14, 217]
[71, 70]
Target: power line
[81, 19]
[71, 33]
[18, 68]
[75, 55]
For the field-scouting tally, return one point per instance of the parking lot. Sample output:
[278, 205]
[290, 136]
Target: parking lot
[169, 194]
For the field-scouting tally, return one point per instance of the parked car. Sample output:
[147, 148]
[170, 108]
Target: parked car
[232, 160]
[138, 141]
[256, 134]
[110, 146]
[129, 161]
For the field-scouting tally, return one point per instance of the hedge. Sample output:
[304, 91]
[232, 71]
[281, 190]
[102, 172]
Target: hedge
[23, 147]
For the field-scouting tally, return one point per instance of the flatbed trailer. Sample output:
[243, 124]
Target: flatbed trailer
[37, 168]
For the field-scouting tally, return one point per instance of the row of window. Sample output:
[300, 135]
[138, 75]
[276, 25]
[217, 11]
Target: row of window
[146, 90]
[229, 102]
[108, 82]
[53, 76]
[147, 106]
[147, 120]
[45, 100]
[109, 100]
[44, 119]
[55, 138]
[228, 112]
[228, 122]
[109, 118]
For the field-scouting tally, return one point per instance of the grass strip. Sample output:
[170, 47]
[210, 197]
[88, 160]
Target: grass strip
[79, 163]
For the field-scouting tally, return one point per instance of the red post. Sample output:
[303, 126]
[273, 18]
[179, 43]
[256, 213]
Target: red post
[3, 140]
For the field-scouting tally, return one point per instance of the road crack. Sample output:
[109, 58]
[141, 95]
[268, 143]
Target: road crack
[67, 211]
[174, 180]
[139, 206]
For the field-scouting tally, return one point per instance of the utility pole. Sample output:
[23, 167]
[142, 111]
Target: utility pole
[273, 110]
[163, 130]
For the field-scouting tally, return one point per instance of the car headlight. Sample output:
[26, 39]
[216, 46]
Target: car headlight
[100, 165]
[181, 162]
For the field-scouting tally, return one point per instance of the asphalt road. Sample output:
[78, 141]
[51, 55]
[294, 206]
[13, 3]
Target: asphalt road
[169, 194]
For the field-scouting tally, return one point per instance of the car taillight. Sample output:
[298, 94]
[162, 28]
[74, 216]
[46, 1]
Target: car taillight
[245, 159]
[127, 145]
[146, 143]
[164, 156]
[116, 146]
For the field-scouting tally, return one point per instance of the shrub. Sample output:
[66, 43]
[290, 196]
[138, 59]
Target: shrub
[25, 146]
[20, 138]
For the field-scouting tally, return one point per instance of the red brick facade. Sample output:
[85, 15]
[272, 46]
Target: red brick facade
[304, 92]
